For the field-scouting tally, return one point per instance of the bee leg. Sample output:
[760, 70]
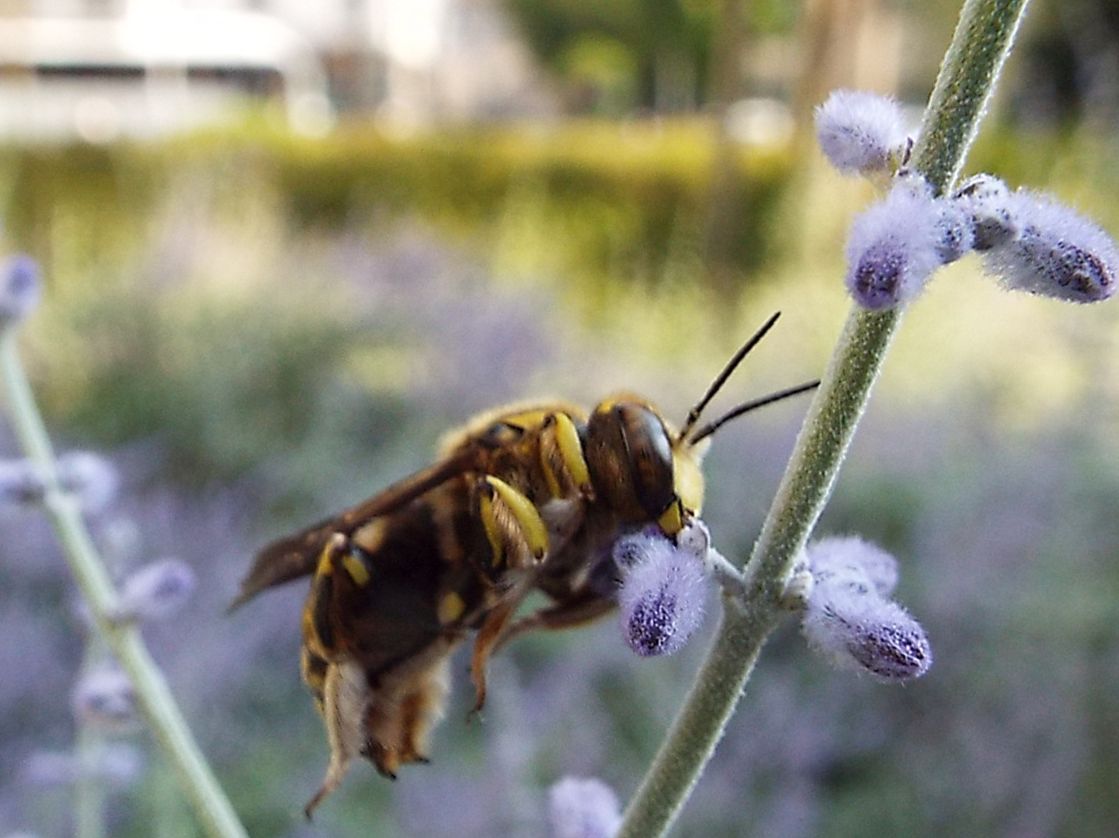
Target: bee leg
[485, 644]
[574, 613]
[345, 694]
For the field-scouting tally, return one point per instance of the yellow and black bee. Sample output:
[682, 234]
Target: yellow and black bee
[523, 498]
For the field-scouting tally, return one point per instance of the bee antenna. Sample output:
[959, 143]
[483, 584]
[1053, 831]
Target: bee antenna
[746, 407]
[721, 378]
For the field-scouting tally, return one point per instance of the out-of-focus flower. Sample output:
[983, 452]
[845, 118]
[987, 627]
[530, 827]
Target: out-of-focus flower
[20, 288]
[104, 698]
[662, 595]
[156, 590]
[860, 132]
[20, 482]
[118, 763]
[1056, 253]
[895, 245]
[849, 620]
[583, 808]
[90, 477]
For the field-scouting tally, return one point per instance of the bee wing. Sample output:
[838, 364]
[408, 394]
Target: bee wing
[296, 555]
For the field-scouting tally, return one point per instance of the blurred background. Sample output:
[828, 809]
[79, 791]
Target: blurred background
[288, 244]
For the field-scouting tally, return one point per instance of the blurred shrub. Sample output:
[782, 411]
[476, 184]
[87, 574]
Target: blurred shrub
[609, 200]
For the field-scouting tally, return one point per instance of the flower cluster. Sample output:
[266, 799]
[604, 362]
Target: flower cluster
[1030, 242]
[849, 617]
[583, 808]
[20, 289]
[664, 587]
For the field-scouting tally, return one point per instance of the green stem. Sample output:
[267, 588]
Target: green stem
[154, 697]
[967, 76]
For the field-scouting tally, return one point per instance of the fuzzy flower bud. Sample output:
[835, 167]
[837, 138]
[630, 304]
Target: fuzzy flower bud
[156, 590]
[860, 132]
[1056, 253]
[955, 231]
[895, 245]
[851, 558]
[116, 763]
[849, 620]
[90, 477]
[662, 594]
[104, 698]
[990, 205]
[583, 808]
[20, 288]
[20, 482]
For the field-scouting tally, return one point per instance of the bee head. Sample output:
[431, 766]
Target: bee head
[640, 467]
[648, 471]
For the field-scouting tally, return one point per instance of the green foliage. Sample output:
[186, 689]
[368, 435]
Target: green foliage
[611, 199]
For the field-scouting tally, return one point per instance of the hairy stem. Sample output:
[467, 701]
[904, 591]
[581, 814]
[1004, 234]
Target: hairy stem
[967, 77]
[156, 702]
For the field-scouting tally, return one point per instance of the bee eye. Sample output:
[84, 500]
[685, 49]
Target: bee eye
[632, 454]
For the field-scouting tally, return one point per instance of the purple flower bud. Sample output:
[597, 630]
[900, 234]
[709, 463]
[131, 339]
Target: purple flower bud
[90, 477]
[50, 768]
[156, 590]
[117, 763]
[893, 646]
[1056, 253]
[20, 482]
[20, 288]
[848, 619]
[583, 808]
[990, 206]
[955, 231]
[852, 557]
[662, 595]
[860, 132]
[894, 246]
[104, 698]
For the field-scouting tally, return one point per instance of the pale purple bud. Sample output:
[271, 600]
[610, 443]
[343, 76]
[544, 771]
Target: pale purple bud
[662, 595]
[893, 646]
[90, 477]
[20, 288]
[1057, 253]
[156, 590]
[50, 768]
[990, 205]
[955, 231]
[20, 482]
[848, 618]
[855, 628]
[894, 246]
[583, 808]
[117, 763]
[860, 132]
[104, 698]
[849, 556]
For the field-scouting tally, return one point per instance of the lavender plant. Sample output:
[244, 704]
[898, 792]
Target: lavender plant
[110, 691]
[887, 269]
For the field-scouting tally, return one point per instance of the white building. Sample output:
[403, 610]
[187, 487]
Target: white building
[99, 68]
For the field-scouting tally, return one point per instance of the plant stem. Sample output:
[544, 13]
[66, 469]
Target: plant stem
[154, 697]
[967, 76]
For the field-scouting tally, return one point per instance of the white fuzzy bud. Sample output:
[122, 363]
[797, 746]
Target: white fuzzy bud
[860, 132]
[583, 808]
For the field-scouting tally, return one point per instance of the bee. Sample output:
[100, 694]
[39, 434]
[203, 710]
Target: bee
[523, 498]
